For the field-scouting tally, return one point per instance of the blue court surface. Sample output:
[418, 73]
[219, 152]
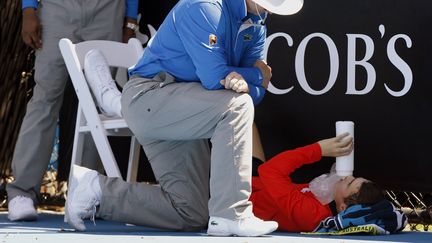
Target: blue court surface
[50, 228]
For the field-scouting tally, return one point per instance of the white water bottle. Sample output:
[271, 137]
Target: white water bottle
[345, 164]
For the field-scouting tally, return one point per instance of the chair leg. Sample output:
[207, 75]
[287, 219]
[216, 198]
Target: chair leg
[105, 152]
[78, 143]
[133, 160]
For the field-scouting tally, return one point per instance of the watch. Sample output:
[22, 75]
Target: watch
[132, 26]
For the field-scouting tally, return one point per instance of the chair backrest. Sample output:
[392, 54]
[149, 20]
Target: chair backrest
[88, 120]
[117, 54]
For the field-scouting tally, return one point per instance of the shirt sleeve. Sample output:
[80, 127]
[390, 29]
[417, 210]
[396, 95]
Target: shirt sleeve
[251, 74]
[305, 210]
[199, 28]
[132, 9]
[29, 4]
[256, 52]
[257, 93]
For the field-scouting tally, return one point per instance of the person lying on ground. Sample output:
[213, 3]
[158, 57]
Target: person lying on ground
[297, 209]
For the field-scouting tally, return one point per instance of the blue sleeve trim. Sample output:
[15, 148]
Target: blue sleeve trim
[29, 4]
[252, 75]
[132, 9]
[257, 93]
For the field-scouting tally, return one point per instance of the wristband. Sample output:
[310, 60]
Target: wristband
[132, 26]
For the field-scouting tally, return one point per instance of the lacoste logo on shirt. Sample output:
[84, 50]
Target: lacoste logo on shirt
[247, 37]
[212, 40]
[213, 223]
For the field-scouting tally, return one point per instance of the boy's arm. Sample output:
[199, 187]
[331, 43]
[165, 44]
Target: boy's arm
[275, 173]
[302, 209]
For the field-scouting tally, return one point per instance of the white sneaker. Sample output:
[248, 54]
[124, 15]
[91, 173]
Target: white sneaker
[21, 208]
[250, 226]
[84, 194]
[101, 83]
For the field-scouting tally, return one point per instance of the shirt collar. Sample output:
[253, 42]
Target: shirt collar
[255, 18]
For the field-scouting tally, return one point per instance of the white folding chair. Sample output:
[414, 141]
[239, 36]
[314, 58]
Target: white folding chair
[88, 120]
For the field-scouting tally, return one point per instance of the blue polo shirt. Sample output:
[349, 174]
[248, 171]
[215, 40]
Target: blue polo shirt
[203, 41]
[131, 7]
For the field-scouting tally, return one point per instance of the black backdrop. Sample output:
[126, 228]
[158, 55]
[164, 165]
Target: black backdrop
[392, 133]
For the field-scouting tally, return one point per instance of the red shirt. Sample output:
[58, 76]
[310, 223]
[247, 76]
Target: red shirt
[276, 197]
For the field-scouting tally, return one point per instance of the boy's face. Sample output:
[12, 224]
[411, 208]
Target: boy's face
[345, 188]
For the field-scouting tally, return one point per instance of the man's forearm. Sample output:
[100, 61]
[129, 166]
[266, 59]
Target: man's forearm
[256, 93]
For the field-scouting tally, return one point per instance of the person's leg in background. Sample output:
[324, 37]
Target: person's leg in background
[34, 145]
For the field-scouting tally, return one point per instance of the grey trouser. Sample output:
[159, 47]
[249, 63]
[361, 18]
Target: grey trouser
[173, 122]
[77, 20]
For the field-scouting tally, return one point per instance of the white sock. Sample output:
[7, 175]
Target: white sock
[111, 102]
[116, 105]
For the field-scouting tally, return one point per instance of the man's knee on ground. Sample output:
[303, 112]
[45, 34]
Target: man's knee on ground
[192, 221]
[194, 216]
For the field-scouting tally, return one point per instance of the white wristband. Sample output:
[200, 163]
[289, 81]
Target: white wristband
[132, 26]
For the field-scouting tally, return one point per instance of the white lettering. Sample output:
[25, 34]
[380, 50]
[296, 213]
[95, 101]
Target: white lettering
[334, 64]
[352, 63]
[271, 88]
[400, 64]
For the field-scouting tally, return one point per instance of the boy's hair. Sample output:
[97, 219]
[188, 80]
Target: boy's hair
[368, 193]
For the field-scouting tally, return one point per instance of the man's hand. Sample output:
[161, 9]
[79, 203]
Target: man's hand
[235, 82]
[266, 72]
[127, 32]
[31, 31]
[337, 146]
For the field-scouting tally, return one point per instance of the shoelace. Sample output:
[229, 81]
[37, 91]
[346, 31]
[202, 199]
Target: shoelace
[93, 217]
[102, 73]
[92, 211]
[250, 219]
